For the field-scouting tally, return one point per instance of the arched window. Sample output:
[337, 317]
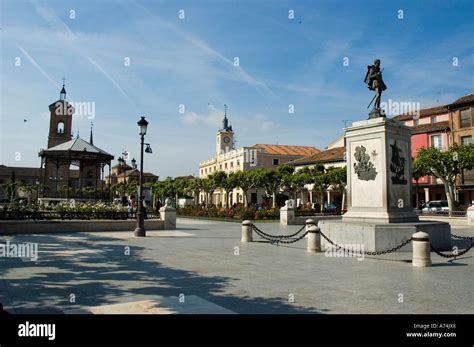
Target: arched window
[60, 128]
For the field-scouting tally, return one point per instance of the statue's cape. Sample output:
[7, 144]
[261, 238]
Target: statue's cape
[366, 78]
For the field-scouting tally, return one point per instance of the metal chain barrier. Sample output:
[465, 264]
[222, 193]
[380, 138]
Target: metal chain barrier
[453, 254]
[291, 241]
[258, 231]
[462, 237]
[262, 234]
[404, 243]
[279, 238]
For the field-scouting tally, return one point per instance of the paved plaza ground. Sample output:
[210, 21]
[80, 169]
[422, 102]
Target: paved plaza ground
[199, 260]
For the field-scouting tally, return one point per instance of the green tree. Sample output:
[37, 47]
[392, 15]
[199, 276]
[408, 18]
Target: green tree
[220, 178]
[89, 192]
[209, 186]
[180, 187]
[299, 180]
[268, 179]
[195, 186]
[230, 184]
[158, 190]
[337, 178]
[63, 188]
[245, 181]
[9, 190]
[445, 165]
[320, 180]
[418, 171]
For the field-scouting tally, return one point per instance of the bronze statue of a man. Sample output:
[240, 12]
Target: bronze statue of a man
[374, 81]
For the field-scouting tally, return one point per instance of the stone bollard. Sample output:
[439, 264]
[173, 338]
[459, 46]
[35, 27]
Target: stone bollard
[421, 249]
[247, 231]
[314, 239]
[168, 216]
[309, 222]
[287, 214]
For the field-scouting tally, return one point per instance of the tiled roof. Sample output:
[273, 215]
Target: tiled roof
[465, 100]
[429, 128]
[77, 145]
[186, 178]
[288, 150]
[331, 155]
[424, 113]
[134, 172]
[122, 166]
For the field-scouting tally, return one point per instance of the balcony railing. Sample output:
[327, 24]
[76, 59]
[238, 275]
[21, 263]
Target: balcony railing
[442, 213]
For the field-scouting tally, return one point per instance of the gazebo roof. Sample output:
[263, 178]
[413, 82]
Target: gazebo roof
[77, 145]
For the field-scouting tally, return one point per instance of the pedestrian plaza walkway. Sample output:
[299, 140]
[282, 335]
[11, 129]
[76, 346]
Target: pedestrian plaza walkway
[203, 267]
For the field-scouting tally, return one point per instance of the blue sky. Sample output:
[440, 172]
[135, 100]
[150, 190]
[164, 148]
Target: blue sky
[190, 61]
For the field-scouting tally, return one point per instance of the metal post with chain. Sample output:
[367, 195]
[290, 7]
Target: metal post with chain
[404, 243]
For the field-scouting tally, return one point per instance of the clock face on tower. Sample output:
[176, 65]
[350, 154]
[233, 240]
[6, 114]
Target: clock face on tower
[226, 139]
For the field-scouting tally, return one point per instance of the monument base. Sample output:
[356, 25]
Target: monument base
[379, 237]
[376, 113]
[382, 217]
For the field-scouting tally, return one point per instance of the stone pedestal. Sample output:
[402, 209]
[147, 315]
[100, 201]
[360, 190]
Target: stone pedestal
[168, 215]
[379, 172]
[382, 236]
[380, 214]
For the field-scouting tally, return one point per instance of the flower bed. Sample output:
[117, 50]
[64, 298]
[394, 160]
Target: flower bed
[66, 210]
[239, 213]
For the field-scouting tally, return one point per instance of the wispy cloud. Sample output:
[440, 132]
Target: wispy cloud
[114, 83]
[38, 66]
[209, 51]
[56, 23]
[52, 19]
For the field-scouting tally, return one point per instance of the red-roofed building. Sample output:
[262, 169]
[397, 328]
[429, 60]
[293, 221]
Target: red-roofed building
[440, 127]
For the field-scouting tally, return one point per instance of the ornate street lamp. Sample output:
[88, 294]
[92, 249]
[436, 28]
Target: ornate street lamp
[140, 229]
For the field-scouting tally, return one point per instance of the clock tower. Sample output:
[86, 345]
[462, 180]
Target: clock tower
[225, 136]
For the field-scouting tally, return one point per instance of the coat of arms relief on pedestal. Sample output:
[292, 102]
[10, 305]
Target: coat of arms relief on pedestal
[364, 169]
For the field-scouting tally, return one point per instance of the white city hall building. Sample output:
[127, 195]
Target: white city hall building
[229, 159]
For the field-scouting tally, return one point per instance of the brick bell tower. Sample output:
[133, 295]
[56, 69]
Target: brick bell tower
[60, 121]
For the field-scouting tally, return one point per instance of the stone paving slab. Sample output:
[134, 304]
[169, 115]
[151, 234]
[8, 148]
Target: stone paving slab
[206, 260]
[191, 304]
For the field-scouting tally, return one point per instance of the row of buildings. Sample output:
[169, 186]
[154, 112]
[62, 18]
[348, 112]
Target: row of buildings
[78, 163]
[438, 127]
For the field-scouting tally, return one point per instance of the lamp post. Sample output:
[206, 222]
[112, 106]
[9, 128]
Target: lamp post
[140, 229]
[37, 190]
